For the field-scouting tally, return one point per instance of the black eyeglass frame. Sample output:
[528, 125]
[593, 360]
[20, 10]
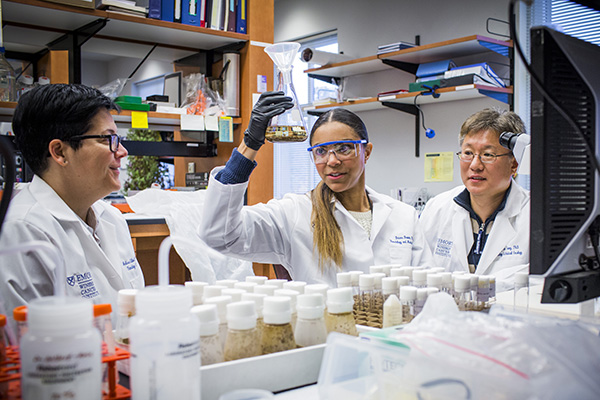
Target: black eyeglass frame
[495, 157]
[113, 143]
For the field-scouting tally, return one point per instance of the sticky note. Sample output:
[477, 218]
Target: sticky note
[139, 120]
[226, 129]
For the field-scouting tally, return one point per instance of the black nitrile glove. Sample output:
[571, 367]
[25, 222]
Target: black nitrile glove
[268, 105]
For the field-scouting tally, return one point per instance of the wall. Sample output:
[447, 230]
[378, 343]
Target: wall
[362, 26]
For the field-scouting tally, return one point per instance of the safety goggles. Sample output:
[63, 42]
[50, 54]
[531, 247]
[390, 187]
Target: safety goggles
[113, 140]
[342, 149]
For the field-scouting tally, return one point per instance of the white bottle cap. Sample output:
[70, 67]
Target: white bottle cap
[434, 279]
[377, 277]
[221, 303]
[493, 279]
[446, 277]
[26, 79]
[408, 271]
[278, 283]
[310, 306]
[163, 300]
[366, 282]
[389, 285]
[226, 282]
[277, 310]
[422, 294]
[197, 289]
[126, 301]
[354, 277]
[265, 289]
[43, 80]
[375, 269]
[247, 287]
[298, 286]
[343, 279]
[484, 280]
[340, 300]
[522, 278]
[397, 271]
[208, 317]
[403, 280]
[259, 280]
[386, 269]
[474, 281]
[419, 277]
[456, 273]
[241, 315]
[462, 282]
[213, 291]
[236, 294]
[292, 294]
[258, 300]
[408, 293]
[432, 290]
[318, 288]
[59, 315]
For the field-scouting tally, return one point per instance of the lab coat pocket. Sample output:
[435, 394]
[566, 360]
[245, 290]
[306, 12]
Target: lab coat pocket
[400, 255]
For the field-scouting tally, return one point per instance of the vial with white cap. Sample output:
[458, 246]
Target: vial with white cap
[236, 294]
[343, 279]
[408, 296]
[419, 278]
[298, 286]
[197, 289]
[310, 328]
[126, 310]
[462, 291]
[267, 289]
[278, 334]
[375, 269]
[278, 283]
[164, 333]
[446, 282]
[242, 338]
[247, 287]
[389, 286]
[213, 291]
[226, 282]
[292, 294]
[420, 300]
[221, 303]
[492, 299]
[259, 280]
[483, 292]
[521, 293]
[258, 300]
[366, 284]
[474, 286]
[402, 281]
[354, 277]
[210, 343]
[339, 311]
[317, 288]
[434, 280]
[61, 351]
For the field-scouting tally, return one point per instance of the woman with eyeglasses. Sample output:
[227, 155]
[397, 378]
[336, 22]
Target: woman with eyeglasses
[482, 227]
[69, 139]
[341, 225]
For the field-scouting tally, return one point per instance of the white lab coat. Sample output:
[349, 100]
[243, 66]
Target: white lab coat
[449, 234]
[279, 232]
[96, 268]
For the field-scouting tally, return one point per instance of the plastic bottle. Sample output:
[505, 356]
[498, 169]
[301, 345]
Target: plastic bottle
[278, 283]
[259, 280]
[446, 282]
[521, 293]
[197, 289]
[343, 279]
[24, 84]
[229, 283]
[310, 328]
[408, 296]
[242, 336]
[420, 300]
[20, 317]
[402, 281]
[60, 353]
[212, 291]
[339, 311]
[492, 290]
[293, 295]
[483, 292]
[126, 305]
[236, 294]
[462, 292]
[298, 286]
[366, 286]
[278, 334]
[258, 300]
[434, 280]
[266, 289]
[419, 278]
[392, 312]
[373, 269]
[103, 323]
[43, 80]
[211, 351]
[165, 350]
[247, 287]
[389, 286]
[221, 303]
[8, 84]
[474, 286]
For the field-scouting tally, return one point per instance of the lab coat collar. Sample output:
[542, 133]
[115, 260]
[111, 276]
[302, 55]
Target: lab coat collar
[51, 201]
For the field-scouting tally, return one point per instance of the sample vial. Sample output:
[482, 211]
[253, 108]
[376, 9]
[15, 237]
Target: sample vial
[278, 334]
[419, 278]
[483, 292]
[292, 294]
[397, 271]
[126, 306]
[386, 269]
[375, 269]
[269, 290]
[197, 289]
[366, 301]
[221, 303]
[343, 279]
[420, 300]
[242, 338]
[434, 280]
[236, 294]
[212, 291]
[389, 286]
[226, 282]
[339, 311]
[492, 289]
[211, 351]
[165, 350]
[446, 282]
[20, 317]
[60, 353]
[277, 282]
[310, 328]
[247, 287]
[402, 281]
[354, 278]
[521, 293]
[474, 287]
[408, 296]
[259, 280]
[462, 292]
[103, 323]
[258, 300]
[317, 288]
[298, 286]
[392, 312]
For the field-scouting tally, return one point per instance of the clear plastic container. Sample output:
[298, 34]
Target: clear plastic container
[267, 289]
[221, 303]
[408, 297]
[103, 323]
[344, 279]
[247, 287]
[278, 334]
[20, 317]
[24, 84]
[258, 300]
[339, 312]
[197, 289]
[462, 292]
[310, 328]
[211, 351]
[126, 305]
[213, 291]
[242, 335]
[392, 312]
[8, 84]
[293, 295]
[236, 294]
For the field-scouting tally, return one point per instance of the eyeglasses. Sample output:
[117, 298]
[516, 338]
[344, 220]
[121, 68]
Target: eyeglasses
[486, 158]
[342, 149]
[113, 140]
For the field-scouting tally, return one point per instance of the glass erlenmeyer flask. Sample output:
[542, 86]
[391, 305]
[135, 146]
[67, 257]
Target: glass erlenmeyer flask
[289, 126]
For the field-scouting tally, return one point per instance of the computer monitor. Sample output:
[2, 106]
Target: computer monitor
[565, 185]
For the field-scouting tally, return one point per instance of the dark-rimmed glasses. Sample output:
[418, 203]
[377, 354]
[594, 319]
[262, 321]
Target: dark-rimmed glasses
[342, 149]
[113, 140]
[486, 158]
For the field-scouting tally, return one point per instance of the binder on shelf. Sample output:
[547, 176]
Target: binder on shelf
[177, 11]
[241, 17]
[154, 9]
[232, 12]
[125, 6]
[167, 10]
[189, 12]
[217, 15]
[434, 68]
[482, 70]
[202, 13]
[207, 13]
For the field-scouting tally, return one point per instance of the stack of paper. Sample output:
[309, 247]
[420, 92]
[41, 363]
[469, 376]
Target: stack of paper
[483, 72]
[388, 48]
[124, 6]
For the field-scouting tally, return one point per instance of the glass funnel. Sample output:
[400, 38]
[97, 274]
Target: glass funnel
[289, 126]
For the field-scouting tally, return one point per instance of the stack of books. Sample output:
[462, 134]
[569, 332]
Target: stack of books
[122, 6]
[388, 48]
[479, 73]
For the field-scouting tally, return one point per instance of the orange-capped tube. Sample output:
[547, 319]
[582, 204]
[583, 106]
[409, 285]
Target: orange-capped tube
[20, 317]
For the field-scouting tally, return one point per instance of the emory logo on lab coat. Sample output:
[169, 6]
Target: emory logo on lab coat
[86, 284]
[402, 239]
[443, 248]
[513, 250]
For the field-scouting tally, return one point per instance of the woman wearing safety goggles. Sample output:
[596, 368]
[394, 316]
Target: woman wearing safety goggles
[341, 225]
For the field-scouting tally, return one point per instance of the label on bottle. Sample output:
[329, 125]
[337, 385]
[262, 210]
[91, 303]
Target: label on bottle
[60, 370]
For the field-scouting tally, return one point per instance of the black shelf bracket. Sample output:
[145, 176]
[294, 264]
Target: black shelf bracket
[325, 78]
[404, 66]
[170, 149]
[413, 110]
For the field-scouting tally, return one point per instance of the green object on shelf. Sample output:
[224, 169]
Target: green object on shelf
[418, 86]
[129, 99]
[133, 106]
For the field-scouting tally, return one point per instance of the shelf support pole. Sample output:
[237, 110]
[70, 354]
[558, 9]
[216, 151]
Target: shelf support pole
[410, 109]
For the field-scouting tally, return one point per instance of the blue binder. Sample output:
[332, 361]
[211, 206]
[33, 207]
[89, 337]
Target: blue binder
[434, 68]
[167, 10]
[190, 12]
[241, 16]
[154, 10]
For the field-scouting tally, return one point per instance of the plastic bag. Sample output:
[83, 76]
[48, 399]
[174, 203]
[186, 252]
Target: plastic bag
[200, 99]
[113, 89]
[183, 212]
